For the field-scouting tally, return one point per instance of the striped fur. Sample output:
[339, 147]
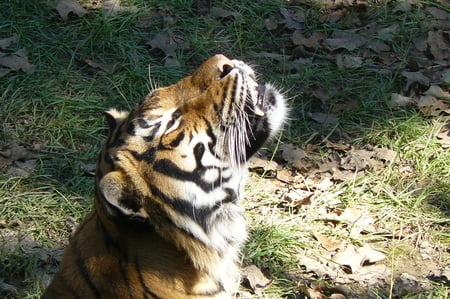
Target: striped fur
[167, 221]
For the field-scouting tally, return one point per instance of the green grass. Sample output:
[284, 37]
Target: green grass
[58, 112]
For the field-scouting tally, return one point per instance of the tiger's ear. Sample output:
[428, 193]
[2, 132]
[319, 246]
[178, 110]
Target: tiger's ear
[115, 118]
[113, 188]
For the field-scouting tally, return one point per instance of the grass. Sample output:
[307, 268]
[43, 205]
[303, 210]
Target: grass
[57, 114]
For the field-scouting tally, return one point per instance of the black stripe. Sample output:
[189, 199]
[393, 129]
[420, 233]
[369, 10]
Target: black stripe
[83, 270]
[177, 139]
[150, 137]
[141, 280]
[199, 215]
[170, 169]
[148, 156]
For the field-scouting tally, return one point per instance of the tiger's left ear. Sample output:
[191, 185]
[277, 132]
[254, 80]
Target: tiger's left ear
[112, 187]
[115, 118]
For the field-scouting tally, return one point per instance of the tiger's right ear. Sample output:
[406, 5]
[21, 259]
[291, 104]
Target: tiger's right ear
[115, 118]
[113, 189]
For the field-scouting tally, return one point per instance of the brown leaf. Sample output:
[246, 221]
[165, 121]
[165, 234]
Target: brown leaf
[324, 118]
[222, 13]
[429, 105]
[6, 42]
[397, 100]
[350, 259]
[345, 40]
[256, 162]
[65, 7]
[254, 278]
[386, 154]
[168, 44]
[437, 92]
[438, 44]
[113, 7]
[299, 197]
[348, 61]
[291, 153]
[17, 61]
[330, 244]
[444, 139]
[415, 77]
[313, 42]
[294, 18]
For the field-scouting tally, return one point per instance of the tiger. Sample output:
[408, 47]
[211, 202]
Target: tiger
[167, 220]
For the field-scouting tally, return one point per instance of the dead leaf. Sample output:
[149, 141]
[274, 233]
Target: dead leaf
[256, 162]
[222, 13]
[298, 197]
[371, 255]
[313, 42]
[6, 42]
[438, 44]
[330, 244]
[345, 40]
[397, 100]
[358, 160]
[437, 92]
[324, 118]
[429, 105]
[65, 7]
[444, 139]
[22, 169]
[113, 7]
[291, 153]
[348, 61]
[386, 154]
[254, 279]
[415, 77]
[168, 44]
[294, 19]
[350, 259]
[17, 61]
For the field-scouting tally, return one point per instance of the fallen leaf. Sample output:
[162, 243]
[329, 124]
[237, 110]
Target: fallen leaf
[22, 169]
[429, 105]
[17, 61]
[168, 44]
[294, 19]
[371, 255]
[438, 44]
[350, 259]
[415, 77]
[386, 154]
[6, 42]
[298, 197]
[113, 7]
[254, 279]
[313, 42]
[256, 162]
[437, 92]
[330, 244]
[345, 40]
[65, 7]
[397, 100]
[348, 61]
[444, 139]
[291, 153]
[221, 13]
[324, 118]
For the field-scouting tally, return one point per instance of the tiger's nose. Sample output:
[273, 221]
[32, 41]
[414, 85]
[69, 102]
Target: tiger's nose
[224, 64]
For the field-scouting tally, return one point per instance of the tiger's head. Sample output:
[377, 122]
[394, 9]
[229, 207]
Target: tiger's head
[179, 156]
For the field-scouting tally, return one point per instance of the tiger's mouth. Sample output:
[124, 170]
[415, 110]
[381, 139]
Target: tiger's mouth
[263, 105]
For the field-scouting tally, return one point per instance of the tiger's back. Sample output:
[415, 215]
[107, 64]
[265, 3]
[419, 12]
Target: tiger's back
[167, 221]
